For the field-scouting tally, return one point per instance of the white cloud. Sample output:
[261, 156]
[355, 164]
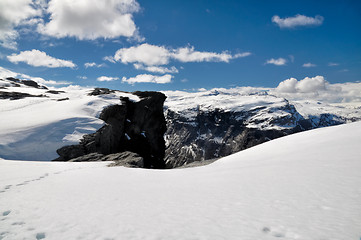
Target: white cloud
[188, 54]
[148, 78]
[317, 88]
[91, 19]
[146, 54]
[82, 77]
[93, 64]
[306, 85]
[109, 59]
[38, 58]
[152, 55]
[13, 13]
[107, 79]
[4, 73]
[331, 64]
[155, 69]
[297, 20]
[309, 65]
[278, 61]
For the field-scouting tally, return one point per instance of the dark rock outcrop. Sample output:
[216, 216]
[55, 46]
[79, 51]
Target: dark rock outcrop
[217, 133]
[137, 127]
[17, 95]
[29, 83]
[100, 91]
[54, 92]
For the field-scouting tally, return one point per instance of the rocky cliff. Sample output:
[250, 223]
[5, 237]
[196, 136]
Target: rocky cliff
[208, 125]
[131, 126]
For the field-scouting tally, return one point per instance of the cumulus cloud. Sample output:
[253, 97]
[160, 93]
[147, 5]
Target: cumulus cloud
[297, 20]
[332, 64]
[155, 69]
[13, 13]
[277, 62]
[152, 55]
[317, 88]
[309, 65]
[146, 54]
[148, 78]
[107, 79]
[93, 64]
[90, 19]
[38, 58]
[306, 85]
[4, 73]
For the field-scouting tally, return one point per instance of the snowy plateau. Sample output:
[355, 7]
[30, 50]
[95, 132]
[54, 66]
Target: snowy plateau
[300, 186]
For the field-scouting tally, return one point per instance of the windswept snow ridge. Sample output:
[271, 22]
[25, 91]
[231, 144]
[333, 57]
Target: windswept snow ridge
[304, 186]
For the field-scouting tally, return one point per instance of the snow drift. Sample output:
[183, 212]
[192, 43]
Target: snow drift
[303, 186]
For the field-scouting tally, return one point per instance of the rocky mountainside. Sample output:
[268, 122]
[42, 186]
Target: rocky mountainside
[212, 124]
[134, 127]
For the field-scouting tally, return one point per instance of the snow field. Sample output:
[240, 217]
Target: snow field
[303, 186]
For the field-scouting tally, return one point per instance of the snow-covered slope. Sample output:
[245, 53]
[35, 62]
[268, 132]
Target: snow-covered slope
[33, 128]
[303, 186]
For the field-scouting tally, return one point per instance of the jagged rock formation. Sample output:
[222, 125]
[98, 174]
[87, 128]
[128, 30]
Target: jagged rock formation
[136, 127]
[198, 130]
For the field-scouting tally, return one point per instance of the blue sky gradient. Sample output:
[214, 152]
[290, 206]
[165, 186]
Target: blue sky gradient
[331, 49]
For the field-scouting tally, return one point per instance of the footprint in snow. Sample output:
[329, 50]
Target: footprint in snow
[40, 236]
[6, 213]
[18, 223]
[274, 233]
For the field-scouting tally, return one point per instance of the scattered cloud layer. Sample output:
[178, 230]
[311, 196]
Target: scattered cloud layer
[4, 73]
[12, 14]
[155, 69]
[82, 19]
[152, 55]
[107, 79]
[297, 20]
[148, 78]
[90, 19]
[307, 65]
[277, 62]
[93, 64]
[38, 58]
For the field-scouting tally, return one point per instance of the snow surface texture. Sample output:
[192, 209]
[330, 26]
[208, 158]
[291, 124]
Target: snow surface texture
[304, 186]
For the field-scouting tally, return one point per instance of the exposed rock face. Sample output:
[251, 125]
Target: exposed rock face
[29, 83]
[101, 91]
[17, 95]
[137, 127]
[126, 159]
[211, 134]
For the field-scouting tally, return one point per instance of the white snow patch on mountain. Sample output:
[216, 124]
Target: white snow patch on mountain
[303, 186]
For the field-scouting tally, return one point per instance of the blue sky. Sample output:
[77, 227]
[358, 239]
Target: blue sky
[174, 45]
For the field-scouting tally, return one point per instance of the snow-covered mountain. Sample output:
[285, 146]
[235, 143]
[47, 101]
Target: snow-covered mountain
[216, 123]
[303, 186]
[37, 120]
